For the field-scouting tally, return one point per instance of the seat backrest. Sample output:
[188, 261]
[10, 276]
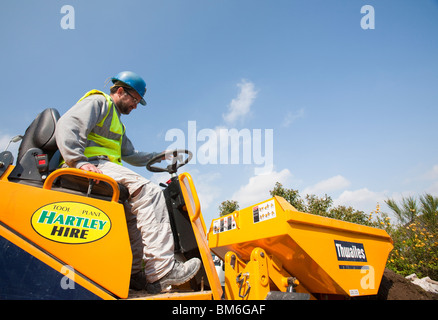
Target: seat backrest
[41, 133]
[38, 156]
[37, 148]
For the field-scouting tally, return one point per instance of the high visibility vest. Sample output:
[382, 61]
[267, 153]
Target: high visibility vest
[105, 139]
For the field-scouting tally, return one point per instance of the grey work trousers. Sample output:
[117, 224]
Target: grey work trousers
[148, 223]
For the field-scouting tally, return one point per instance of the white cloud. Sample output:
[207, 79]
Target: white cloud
[434, 171]
[433, 188]
[207, 187]
[290, 117]
[431, 175]
[423, 182]
[241, 106]
[257, 188]
[361, 199]
[325, 186]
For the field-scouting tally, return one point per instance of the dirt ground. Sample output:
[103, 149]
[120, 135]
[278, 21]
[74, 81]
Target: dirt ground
[395, 287]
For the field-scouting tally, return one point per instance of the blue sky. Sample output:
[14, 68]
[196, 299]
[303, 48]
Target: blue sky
[352, 111]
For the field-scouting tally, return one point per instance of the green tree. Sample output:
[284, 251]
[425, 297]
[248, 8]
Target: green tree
[318, 205]
[406, 211]
[429, 212]
[349, 214]
[228, 206]
[415, 238]
[321, 206]
[290, 195]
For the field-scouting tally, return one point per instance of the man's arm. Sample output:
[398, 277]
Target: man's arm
[73, 128]
[134, 157]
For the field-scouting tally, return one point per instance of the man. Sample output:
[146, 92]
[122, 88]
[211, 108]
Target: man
[91, 137]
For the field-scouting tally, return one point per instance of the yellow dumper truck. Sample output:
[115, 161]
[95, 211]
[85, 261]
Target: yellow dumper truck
[59, 230]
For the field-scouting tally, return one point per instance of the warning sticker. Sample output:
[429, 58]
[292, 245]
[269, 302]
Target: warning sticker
[224, 224]
[264, 211]
[354, 292]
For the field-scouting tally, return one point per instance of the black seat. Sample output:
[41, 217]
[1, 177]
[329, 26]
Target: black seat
[38, 156]
[37, 148]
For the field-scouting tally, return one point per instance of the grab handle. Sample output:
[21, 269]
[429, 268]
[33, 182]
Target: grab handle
[86, 174]
[190, 191]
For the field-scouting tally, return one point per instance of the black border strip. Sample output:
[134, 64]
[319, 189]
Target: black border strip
[350, 267]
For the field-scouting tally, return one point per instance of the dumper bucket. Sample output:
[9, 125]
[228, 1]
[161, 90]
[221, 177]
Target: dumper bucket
[327, 256]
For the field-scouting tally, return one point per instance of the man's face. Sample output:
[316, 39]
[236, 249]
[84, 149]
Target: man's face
[128, 100]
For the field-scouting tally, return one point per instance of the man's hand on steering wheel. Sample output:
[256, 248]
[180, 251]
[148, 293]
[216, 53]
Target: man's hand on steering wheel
[168, 155]
[176, 157]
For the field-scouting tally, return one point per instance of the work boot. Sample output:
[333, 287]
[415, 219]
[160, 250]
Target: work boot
[180, 273]
[138, 281]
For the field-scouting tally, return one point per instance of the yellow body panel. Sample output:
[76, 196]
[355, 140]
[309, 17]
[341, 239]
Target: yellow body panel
[327, 256]
[35, 213]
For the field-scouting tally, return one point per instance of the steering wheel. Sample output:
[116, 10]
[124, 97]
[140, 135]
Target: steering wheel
[177, 160]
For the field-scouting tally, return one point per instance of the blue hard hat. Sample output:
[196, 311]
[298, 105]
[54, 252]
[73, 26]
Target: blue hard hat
[134, 81]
